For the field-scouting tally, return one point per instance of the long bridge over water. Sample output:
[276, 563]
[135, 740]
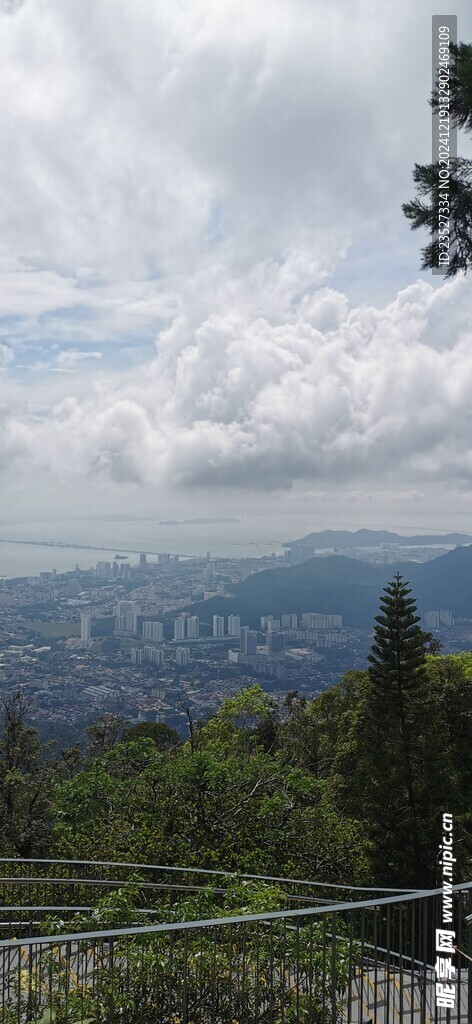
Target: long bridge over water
[91, 547]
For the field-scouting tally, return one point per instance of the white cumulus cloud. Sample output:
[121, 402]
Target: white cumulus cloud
[307, 390]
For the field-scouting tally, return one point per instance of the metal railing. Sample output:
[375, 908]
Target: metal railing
[348, 957]
[72, 886]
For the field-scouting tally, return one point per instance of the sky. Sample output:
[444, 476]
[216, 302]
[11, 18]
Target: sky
[210, 301]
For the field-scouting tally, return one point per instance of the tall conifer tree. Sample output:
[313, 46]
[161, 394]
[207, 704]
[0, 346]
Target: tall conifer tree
[396, 667]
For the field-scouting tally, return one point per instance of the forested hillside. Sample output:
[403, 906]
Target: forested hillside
[348, 587]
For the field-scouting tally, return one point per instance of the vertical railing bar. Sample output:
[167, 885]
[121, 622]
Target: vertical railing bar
[200, 977]
[230, 974]
[400, 952]
[49, 952]
[387, 966]
[323, 970]
[19, 985]
[376, 959]
[30, 976]
[271, 971]
[334, 1015]
[213, 986]
[111, 953]
[469, 967]
[362, 958]
[256, 976]
[457, 917]
[424, 958]
[351, 973]
[243, 974]
[297, 962]
[412, 963]
[436, 923]
[170, 970]
[67, 978]
[310, 967]
[185, 981]
[101, 960]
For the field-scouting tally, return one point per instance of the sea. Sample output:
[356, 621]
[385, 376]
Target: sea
[101, 538]
[105, 538]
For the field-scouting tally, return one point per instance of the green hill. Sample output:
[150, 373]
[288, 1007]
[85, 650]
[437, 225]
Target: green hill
[345, 586]
[373, 538]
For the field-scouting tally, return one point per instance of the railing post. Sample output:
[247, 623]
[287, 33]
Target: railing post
[469, 967]
[334, 1015]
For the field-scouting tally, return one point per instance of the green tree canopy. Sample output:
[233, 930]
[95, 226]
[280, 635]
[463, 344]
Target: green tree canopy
[25, 784]
[163, 735]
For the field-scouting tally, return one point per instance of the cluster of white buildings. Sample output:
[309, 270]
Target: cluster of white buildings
[112, 570]
[310, 620]
[182, 657]
[187, 627]
[152, 655]
[316, 620]
[321, 629]
[436, 619]
[153, 631]
[234, 626]
[155, 656]
[126, 618]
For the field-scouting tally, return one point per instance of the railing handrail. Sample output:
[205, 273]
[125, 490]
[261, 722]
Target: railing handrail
[277, 915]
[200, 871]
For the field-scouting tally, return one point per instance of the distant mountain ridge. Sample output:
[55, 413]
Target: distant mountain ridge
[372, 538]
[349, 587]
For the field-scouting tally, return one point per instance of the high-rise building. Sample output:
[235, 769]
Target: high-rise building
[317, 620]
[218, 626]
[153, 631]
[142, 560]
[163, 559]
[265, 620]
[103, 569]
[289, 621]
[436, 619]
[247, 641]
[193, 627]
[137, 655]
[275, 644]
[85, 627]
[179, 629]
[154, 654]
[234, 625]
[126, 618]
[301, 552]
[182, 657]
